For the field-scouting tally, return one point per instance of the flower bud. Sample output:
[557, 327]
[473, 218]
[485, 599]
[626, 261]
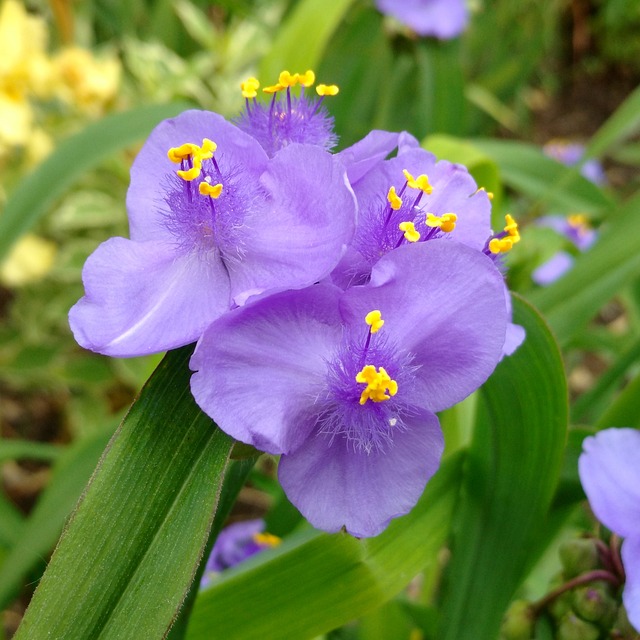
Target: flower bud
[578, 556]
[594, 603]
[573, 628]
[517, 623]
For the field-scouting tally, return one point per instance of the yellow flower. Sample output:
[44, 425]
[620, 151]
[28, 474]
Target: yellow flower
[29, 260]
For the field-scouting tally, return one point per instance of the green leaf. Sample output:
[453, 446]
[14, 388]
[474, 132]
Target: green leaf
[315, 582]
[129, 554]
[525, 168]
[27, 449]
[301, 40]
[71, 159]
[513, 468]
[614, 261]
[11, 523]
[625, 411]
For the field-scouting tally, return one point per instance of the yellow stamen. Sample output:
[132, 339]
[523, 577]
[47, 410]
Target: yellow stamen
[273, 88]
[327, 89]
[421, 182]
[250, 87]
[512, 228]
[577, 220]
[190, 150]
[378, 384]
[410, 233]
[190, 174]
[446, 222]
[307, 78]
[266, 539]
[501, 245]
[394, 200]
[374, 320]
[212, 190]
[184, 151]
[286, 79]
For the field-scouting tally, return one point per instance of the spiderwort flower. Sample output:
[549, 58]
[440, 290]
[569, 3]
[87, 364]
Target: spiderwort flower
[610, 476]
[571, 153]
[574, 228]
[213, 221]
[235, 544]
[345, 384]
[290, 116]
[444, 19]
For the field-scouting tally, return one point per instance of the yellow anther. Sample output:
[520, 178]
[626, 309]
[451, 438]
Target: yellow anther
[286, 79]
[512, 228]
[190, 174]
[489, 193]
[206, 151]
[307, 78]
[395, 202]
[410, 233]
[274, 88]
[501, 245]
[421, 182]
[378, 384]
[184, 151]
[374, 320]
[212, 190]
[577, 220]
[266, 539]
[327, 89]
[250, 87]
[446, 222]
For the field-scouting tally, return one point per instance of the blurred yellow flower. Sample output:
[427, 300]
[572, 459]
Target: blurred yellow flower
[29, 260]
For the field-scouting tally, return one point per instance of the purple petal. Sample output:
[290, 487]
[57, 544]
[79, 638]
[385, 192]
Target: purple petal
[440, 18]
[631, 593]
[365, 154]
[515, 333]
[610, 474]
[553, 269]
[445, 303]
[302, 235]
[141, 298]
[151, 167]
[259, 368]
[234, 544]
[334, 485]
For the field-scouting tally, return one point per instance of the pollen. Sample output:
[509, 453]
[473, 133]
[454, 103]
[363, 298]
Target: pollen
[327, 89]
[286, 79]
[577, 220]
[446, 222]
[501, 245]
[410, 233]
[184, 151]
[190, 174]
[307, 78]
[197, 155]
[266, 539]
[421, 182]
[207, 189]
[274, 88]
[250, 87]
[374, 320]
[511, 228]
[395, 202]
[380, 386]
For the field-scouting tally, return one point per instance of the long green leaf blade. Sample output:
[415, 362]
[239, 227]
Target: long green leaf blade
[514, 465]
[71, 159]
[129, 554]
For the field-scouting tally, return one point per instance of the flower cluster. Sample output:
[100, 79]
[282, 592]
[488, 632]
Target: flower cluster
[338, 301]
[443, 19]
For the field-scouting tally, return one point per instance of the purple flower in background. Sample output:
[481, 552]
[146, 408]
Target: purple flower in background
[610, 474]
[289, 116]
[345, 384]
[213, 221]
[235, 544]
[574, 228]
[444, 19]
[571, 153]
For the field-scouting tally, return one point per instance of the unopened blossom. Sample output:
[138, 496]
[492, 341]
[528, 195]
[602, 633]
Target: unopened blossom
[610, 475]
[578, 232]
[443, 19]
[571, 154]
[345, 384]
[235, 544]
[213, 220]
[291, 110]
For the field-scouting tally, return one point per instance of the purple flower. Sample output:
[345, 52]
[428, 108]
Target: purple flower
[235, 544]
[213, 221]
[346, 384]
[571, 153]
[289, 116]
[574, 228]
[610, 474]
[442, 19]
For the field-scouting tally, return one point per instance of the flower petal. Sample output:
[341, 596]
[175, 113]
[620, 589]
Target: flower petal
[259, 368]
[552, 269]
[365, 154]
[145, 205]
[300, 237]
[445, 303]
[631, 593]
[142, 298]
[440, 18]
[610, 475]
[334, 485]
